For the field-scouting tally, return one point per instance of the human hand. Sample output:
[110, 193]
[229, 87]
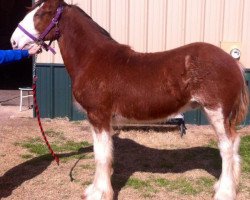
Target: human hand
[35, 49]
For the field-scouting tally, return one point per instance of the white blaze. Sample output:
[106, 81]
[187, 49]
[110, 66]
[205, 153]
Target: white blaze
[19, 39]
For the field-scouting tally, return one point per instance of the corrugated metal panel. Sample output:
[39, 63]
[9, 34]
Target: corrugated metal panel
[54, 93]
[86, 5]
[247, 76]
[138, 25]
[44, 91]
[156, 38]
[213, 23]
[56, 58]
[232, 26]
[61, 90]
[246, 35]
[175, 29]
[149, 25]
[119, 21]
[194, 20]
[101, 12]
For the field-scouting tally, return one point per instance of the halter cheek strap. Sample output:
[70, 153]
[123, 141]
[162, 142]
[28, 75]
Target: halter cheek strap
[36, 40]
[53, 23]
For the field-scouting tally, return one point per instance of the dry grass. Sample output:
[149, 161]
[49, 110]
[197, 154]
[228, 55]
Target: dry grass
[152, 164]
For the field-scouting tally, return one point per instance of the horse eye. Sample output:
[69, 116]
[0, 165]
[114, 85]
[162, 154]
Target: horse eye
[37, 14]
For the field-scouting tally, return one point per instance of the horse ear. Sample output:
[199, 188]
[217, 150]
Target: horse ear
[53, 4]
[56, 1]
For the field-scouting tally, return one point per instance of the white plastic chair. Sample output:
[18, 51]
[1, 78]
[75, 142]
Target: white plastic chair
[28, 90]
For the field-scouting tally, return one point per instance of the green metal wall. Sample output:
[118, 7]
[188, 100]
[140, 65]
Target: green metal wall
[54, 96]
[247, 76]
[54, 92]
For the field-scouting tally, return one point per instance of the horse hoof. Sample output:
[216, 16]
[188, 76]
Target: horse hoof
[216, 186]
[93, 193]
[224, 191]
[224, 196]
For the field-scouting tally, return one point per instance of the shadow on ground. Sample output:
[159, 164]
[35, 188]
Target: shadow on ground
[129, 157]
[16, 176]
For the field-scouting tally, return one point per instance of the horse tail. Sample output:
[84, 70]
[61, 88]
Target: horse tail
[242, 102]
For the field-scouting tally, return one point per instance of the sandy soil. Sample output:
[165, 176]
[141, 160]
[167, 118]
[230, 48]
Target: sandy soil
[139, 154]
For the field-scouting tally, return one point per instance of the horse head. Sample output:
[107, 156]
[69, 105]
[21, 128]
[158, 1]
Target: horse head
[35, 23]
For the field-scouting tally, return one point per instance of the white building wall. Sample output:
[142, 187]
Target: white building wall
[157, 25]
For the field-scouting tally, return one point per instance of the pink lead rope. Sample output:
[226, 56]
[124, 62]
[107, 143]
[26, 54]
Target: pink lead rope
[47, 47]
[39, 121]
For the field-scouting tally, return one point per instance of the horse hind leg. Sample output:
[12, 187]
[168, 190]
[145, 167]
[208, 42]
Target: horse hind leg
[225, 188]
[101, 188]
[236, 156]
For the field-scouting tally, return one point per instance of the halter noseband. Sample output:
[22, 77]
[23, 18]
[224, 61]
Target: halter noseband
[40, 39]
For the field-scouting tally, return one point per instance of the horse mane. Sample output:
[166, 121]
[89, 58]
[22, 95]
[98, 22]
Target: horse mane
[97, 26]
[35, 5]
[74, 6]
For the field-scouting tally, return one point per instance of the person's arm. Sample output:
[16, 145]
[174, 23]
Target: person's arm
[8, 56]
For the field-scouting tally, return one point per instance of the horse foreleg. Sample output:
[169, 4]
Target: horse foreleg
[101, 188]
[225, 188]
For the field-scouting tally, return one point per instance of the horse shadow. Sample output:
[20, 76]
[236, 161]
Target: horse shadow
[16, 176]
[129, 157]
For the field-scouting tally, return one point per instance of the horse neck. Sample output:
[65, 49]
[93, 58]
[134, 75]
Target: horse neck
[80, 39]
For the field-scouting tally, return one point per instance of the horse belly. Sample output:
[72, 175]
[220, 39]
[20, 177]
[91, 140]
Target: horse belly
[120, 120]
[150, 109]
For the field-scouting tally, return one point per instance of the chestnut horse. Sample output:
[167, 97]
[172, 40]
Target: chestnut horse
[110, 79]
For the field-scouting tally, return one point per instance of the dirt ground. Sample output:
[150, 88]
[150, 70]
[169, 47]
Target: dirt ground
[147, 163]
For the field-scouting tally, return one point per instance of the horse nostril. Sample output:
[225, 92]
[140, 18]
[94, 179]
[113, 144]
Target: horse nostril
[14, 44]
